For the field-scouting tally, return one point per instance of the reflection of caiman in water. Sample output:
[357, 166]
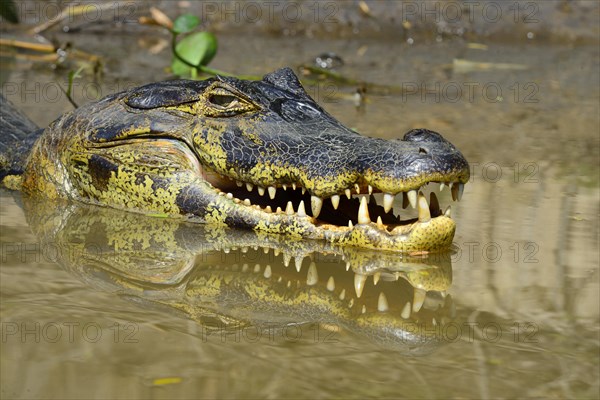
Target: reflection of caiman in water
[229, 278]
[261, 155]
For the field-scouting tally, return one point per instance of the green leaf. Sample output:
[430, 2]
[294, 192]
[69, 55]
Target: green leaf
[198, 48]
[185, 23]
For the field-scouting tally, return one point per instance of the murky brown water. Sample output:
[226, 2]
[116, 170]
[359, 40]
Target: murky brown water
[514, 312]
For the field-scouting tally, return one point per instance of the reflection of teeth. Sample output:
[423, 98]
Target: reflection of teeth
[382, 303]
[424, 214]
[412, 198]
[257, 268]
[267, 273]
[315, 204]
[272, 192]
[343, 294]
[298, 262]
[418, 299]
[286, 259]
[331, 284]
[406, 311]
[312, 277]
[350, 303]
[335, 201]
[388, 201]
[359, 283]
[376, 277]
[363, 212]
[363, 310]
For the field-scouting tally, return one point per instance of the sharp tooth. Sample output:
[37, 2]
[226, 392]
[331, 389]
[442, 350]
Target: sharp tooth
[424, 214]
[303, 190]
[343, 294]
[418, 299]
[294, 186]
[357, 188]
[347, 265]
[229, 195]
[301, 209]
[412, 198]
[335, 200]
[376, 277]
[363, 309]
[363, 212]
[461, 189]
[442, 186]
[267, 273]
[406, 311]
[289, 209]
[348, 193]
[370, 189]
[247, 202]
[239, 184]
[350, 224]
[315, 204]
[331, 284]
[388, 201]
[284, 186]
[382, 303]
[268, 209]
[286, 259]
[312, 277]
[454, 189]
[261, 190]
[272, 192]
[249, 187]
[359, 283]
[278, 210]
[434, 205]
[298, 262]
[448, 212]
[379, 221]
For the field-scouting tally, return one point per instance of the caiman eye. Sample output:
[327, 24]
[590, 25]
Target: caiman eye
[223, 102]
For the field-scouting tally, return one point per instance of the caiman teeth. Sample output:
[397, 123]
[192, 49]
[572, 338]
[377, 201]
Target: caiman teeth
[249, 186]
[424, 214]
[289, 209]
[412, 198]
[312, 277]
[406, 311]
[363, 212]
[261, 190]
[272, 192]
[348, 193]
[315, 204]
[335, 201]
[388, 201]
[301, 209]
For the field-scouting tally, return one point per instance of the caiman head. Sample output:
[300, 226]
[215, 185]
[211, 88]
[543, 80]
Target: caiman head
[254, 154]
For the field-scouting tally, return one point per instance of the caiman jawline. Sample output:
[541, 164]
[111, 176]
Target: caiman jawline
[340, 210]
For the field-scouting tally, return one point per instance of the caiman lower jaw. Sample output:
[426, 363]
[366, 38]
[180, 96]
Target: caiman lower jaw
[352, 219]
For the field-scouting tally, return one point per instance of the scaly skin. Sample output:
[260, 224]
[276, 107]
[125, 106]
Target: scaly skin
[199, 149]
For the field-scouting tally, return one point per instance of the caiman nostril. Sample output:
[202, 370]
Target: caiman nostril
[422, 150]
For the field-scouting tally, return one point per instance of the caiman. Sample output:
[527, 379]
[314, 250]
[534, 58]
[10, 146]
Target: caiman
[261, 155]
